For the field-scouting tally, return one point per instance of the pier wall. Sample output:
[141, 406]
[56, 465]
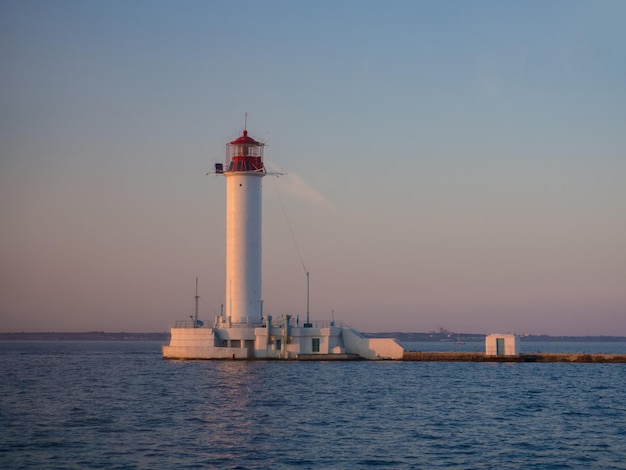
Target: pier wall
[534, 357]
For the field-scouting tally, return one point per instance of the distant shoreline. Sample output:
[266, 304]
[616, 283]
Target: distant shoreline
[84, 336]
[400, 336]
[474, 337]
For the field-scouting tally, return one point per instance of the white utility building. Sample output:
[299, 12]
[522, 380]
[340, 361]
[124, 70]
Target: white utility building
[242, 330]
[497, 344]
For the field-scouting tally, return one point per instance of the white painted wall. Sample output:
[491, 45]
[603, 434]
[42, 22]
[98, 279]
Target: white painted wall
[371, 348]
[387, 348]
[300, 341]
[198, 343]
[192, 337]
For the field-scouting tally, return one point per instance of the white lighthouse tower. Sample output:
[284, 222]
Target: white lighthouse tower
[244, 171]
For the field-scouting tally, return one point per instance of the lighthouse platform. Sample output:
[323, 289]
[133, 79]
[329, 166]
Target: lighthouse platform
[278, 341]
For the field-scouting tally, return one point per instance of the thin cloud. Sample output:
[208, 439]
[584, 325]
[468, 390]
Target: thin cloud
[294, 185]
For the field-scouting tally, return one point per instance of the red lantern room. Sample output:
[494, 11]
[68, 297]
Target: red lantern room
[244, 154]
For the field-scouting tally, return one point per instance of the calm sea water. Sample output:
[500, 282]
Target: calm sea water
[119, 405]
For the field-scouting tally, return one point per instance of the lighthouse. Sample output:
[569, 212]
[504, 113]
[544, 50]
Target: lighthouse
[242, 330]
[244, 171]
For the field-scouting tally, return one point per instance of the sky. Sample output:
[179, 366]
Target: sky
[448, 163]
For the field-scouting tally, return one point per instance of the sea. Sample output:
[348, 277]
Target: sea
[119, 405]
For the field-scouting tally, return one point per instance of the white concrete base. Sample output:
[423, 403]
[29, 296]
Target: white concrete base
[283, 341]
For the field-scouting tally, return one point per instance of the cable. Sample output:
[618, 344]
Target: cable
[293, 237]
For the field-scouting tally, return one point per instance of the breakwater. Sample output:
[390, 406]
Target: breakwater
[533, 357]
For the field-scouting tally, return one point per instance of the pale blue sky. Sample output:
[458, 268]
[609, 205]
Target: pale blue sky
[452, 163]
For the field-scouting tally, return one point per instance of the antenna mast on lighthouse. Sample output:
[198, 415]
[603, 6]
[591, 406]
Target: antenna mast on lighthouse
[195, 321]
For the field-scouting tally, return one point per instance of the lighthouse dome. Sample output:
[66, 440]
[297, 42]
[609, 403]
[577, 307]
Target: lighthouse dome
[244, 154]
[245, 139]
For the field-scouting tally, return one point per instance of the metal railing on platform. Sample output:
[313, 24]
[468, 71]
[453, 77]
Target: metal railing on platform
[321, 324]
[279, 322]
[190, 324]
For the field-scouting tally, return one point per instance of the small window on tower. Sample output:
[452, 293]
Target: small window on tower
[278, 344]
[315, 344]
